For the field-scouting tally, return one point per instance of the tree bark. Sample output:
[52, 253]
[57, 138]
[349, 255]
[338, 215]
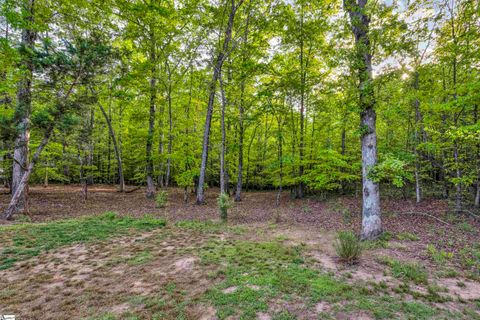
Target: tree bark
[89, 179]
[150, 192]
[121, 181]
[23, 183]
[222, 144]
[418, 122]
[24, 104]
[170, 125]
[371, 219]
[216, 71]
[300, 191]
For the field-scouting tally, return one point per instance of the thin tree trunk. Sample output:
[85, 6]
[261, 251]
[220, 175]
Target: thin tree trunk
[300, 191]
[121, 181]
[371, 219]
[24, 104]
[418, 121]
[150, 192]
[222, 144]
[89, 179]
[280, 160]
[216, 71]
[170, 125]
[477, 193]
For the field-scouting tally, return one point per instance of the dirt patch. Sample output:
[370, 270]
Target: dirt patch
[102, 277]
[465, 289]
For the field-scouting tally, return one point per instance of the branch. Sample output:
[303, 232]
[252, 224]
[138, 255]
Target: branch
[427, 215]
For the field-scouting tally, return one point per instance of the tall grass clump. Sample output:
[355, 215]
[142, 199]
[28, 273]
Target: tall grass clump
[348, 247]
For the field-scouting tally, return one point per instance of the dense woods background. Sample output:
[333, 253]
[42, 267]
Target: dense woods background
[120, 91]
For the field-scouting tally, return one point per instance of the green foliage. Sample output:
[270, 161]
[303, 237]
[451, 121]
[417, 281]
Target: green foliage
[161, 199]
[224, 203]
[392, 170]
[23, 241]
[348, 247]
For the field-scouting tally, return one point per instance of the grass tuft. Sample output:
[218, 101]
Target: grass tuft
[348, 247]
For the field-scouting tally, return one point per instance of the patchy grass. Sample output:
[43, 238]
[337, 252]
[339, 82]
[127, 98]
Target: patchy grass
[409, 271]
[205, 268]
[403, 236]
[209, 226]
[257, 273]
[23, 241]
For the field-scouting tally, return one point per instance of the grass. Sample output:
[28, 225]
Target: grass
[23, 241]
[256, 273]
[409, 271]
[209, 227]
[348, 247]
[403, 236]
[247, 277]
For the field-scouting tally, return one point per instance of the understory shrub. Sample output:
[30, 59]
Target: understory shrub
[224, 204]
[161, 199]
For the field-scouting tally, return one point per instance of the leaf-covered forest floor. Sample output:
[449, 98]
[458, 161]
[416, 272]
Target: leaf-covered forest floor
[74, 261]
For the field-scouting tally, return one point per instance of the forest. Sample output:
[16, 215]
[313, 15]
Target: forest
[240, 159]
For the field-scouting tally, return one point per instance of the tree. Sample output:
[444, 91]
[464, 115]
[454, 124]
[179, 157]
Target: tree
[221, 56]
[24, 99]
[371, 220]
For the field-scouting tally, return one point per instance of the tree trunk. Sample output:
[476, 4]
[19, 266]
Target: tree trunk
[300, 191]
[23, 183]
[477, 193]
[280, 160]
[170, 124]
[222, 144]
[121, 181]
[150, 192]
[24, 104]
[90, 148]
[418, 122]
[216, 71]
[371, 219]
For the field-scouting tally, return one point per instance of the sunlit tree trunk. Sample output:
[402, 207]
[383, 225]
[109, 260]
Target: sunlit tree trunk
[371, 220]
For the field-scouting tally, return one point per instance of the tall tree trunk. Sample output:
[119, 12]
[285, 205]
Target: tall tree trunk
[216, 71]
[238, 191]
[222, 144]
[280, 160]
[91, 143]
[477, 193]
[121, 181]
[418, 122]
[24, 104]
[241, 111]
[170, 125]
[371, 219]
[150, 192]
[300, 191]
